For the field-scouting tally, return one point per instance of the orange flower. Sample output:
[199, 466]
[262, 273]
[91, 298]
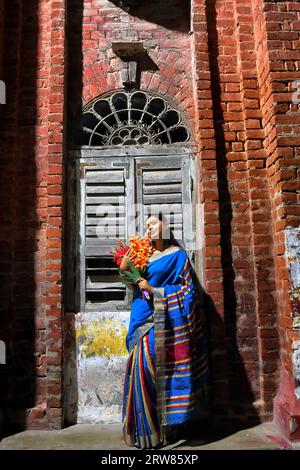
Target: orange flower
[141, 250]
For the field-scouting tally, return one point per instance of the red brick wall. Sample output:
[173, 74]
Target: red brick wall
[31, 212]
[55, 212]
[255, 182]
[277, 35]
[238, 238]
[209, 198]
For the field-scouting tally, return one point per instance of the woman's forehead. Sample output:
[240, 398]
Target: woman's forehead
[151, 219]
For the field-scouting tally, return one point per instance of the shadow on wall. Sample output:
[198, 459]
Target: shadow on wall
[20, 389]
[229, 412]
[173, 15]
[233, 395]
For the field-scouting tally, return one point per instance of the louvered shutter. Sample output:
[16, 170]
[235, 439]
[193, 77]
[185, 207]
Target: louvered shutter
[109, 192]
[165, 183]
[104, 198]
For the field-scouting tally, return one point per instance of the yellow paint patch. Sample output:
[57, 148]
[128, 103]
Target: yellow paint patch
[105, 338]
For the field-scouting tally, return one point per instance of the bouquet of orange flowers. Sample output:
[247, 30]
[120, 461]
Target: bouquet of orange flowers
[140, 251]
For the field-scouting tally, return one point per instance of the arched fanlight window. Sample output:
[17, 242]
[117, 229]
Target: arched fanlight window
[132, 118]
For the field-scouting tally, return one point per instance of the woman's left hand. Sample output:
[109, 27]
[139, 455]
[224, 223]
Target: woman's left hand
[143, 284]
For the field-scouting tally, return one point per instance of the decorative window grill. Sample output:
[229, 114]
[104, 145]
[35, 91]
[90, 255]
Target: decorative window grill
[132, 118]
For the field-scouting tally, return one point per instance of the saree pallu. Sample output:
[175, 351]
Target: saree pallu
[167, 372]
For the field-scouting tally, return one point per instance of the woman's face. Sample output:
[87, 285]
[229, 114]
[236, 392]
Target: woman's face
[154, 228]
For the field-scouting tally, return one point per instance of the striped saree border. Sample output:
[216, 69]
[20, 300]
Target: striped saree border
[139, 422]
[194, 369]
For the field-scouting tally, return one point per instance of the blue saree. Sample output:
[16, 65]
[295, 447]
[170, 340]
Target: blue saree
[167, 371]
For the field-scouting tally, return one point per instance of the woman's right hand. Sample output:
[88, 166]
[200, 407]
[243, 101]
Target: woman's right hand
[128, 257]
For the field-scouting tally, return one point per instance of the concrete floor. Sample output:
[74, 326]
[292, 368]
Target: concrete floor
[109, 437]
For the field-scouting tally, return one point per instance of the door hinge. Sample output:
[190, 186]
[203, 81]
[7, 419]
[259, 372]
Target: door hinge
[125, 166]
[82, 167]
[139, 167]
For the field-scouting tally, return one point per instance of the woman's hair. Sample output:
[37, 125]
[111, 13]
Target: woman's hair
[171, 240]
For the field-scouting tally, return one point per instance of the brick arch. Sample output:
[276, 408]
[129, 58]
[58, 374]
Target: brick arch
[99, 78]
[173, 79]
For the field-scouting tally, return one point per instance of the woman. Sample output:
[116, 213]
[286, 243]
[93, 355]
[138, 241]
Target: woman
[166, 377]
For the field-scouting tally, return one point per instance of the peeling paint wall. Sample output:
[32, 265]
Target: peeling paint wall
[292, 238]
[95, 361]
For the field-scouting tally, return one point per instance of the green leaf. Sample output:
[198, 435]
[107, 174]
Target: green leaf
[134, 270]
[129, 277]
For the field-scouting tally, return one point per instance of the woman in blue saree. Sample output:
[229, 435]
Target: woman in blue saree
[167, 371]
